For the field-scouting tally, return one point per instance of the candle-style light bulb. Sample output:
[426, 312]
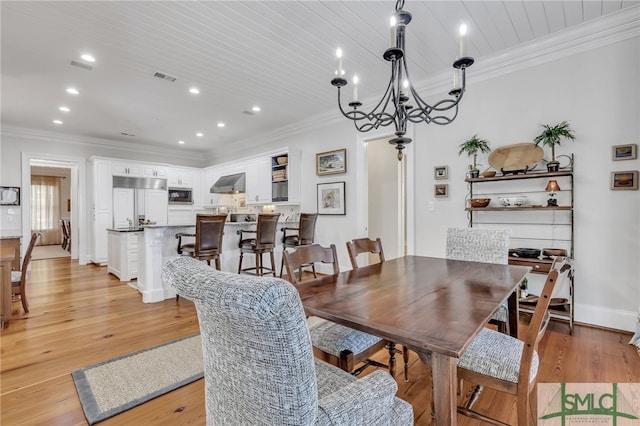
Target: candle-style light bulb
[392, 22]
[339, 71]
[463, 40]
[456, 79]
[405, 86]
[355, 87]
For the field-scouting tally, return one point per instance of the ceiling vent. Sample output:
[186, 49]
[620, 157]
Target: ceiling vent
[164, 77]
[81, 65]
[126, 134]
[249, 112]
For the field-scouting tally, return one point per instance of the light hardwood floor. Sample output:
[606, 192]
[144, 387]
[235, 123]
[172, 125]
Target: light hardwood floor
[81, 315]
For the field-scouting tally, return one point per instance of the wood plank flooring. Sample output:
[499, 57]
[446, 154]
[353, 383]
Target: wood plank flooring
[81, 315]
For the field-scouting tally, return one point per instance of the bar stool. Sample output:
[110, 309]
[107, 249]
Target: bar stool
[263, 242]
[306, 231]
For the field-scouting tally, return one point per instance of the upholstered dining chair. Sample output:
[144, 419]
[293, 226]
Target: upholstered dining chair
[504, 363]
[19, 278]
[336, 344]
[263, 242]
[366, 245]
[259, 367]
[302, 235]
[482, 245]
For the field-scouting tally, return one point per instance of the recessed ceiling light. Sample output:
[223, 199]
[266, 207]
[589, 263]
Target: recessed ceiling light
[64, 109]
[181, 142]
[72, 91]
[221, 124]
[194, 90]
[199, 134]
[255, 109]
[57, 122]
[88, 58]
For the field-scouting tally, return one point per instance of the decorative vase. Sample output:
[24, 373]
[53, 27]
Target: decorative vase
[524, 292]
[553, 166]
[474, 173]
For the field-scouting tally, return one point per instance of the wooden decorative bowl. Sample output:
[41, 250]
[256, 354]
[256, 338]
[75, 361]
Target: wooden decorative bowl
[479, 202]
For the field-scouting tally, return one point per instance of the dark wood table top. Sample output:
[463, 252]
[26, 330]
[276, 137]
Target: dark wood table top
[428, 304]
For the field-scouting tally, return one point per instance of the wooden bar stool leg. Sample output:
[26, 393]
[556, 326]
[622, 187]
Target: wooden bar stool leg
[273, 263]
[240, 262]
[258, 264]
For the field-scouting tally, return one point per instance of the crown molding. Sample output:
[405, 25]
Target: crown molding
[125, 148]
[615, 27]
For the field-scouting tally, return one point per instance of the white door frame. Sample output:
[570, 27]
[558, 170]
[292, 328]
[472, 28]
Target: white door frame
[407, 217]
[78, 198]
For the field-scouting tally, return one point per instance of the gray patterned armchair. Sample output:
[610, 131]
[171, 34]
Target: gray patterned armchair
[258, 359]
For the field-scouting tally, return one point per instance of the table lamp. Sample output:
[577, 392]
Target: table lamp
[552, 187]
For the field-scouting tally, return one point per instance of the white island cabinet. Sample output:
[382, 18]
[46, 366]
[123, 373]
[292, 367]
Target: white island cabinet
[123, 253]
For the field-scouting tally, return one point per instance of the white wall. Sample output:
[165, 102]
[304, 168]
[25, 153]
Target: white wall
[597, 91]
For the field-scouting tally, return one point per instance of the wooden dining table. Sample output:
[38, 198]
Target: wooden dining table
[433, 306]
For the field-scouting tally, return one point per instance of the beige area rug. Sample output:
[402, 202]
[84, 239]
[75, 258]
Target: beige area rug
[111, 387]
[48, 252]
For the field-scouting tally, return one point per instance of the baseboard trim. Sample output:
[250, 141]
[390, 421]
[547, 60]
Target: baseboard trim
[613, 319]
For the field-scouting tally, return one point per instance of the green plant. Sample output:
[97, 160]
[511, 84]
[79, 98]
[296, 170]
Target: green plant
[524, 284]
[552, 136]
[473, 146]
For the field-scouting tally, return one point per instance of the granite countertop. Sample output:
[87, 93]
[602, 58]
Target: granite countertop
[9, 235]
[125, 230]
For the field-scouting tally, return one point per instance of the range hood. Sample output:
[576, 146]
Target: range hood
[230, 184]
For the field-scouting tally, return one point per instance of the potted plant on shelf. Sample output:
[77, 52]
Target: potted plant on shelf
[552, 136]
[472, 147]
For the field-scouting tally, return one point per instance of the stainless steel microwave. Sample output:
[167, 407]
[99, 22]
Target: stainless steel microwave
[180, 196]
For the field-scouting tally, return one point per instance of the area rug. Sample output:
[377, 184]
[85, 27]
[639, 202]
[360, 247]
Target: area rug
[116, 385]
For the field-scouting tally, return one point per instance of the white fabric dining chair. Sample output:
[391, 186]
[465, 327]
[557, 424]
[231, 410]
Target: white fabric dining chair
[482, 245]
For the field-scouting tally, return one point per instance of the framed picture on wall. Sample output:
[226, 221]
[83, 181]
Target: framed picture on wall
[624, 180]
[441, 190]
[331, 162]
[441, 172]
[625, 152]
[9, 196]
[331, 198]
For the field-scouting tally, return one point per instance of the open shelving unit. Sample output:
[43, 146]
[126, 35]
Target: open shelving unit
[280, 177]
[534, 225]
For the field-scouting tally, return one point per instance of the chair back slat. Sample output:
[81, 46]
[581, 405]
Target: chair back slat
[309, 254]
[364, 245]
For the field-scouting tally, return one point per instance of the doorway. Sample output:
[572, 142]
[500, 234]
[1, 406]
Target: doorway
[385, 194]
[77, 187]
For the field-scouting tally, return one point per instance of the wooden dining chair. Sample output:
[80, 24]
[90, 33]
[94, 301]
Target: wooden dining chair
[336, 344]
[19, 278]
[482, 245]
[263, 242]
[366, 245]
[504, 363]
[65, 234]
[301, 235]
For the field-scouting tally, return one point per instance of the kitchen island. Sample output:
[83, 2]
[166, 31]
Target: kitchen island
[157, 244]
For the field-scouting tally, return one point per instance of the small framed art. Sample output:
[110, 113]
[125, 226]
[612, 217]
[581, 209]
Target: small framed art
[624, 180]
[441, 190]
[625, 152]
[331, 162]
[441, 172]
[331, 198]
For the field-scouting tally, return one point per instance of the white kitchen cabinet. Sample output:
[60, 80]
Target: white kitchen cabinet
[258, 181]
[154, 171]
[100, 202]
[123, 208]
[181, 178]
[126, 169]
[156, 203]
[123, 254]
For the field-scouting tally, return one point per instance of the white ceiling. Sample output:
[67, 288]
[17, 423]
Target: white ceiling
[275, 54]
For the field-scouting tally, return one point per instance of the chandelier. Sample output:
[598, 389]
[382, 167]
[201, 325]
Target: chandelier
[400, 102]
